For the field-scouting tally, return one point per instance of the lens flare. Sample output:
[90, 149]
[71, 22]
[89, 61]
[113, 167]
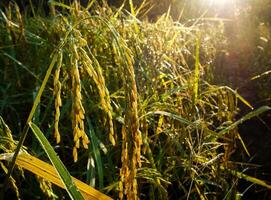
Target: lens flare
[217, 2]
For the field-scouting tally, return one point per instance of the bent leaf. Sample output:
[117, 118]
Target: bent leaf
[48, 172]
[247, 178]
[245, 118]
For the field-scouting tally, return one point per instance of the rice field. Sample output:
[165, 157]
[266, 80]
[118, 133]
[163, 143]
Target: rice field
[100, 102]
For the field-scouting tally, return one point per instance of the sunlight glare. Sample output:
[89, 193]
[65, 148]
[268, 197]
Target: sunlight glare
[216, 2]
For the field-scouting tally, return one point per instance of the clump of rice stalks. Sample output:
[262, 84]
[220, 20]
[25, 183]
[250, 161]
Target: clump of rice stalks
[77, 107]
[131, 136]
[7, 145]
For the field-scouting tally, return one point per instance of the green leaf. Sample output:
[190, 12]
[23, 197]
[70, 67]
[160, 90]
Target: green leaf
[94, 146]
[62, 5]
[239, 97]
[196, 73]
[21, 65]
[247, 177]
[133, 12]
[31, 115]
[173, 116]
[246, 117]
[59, 166]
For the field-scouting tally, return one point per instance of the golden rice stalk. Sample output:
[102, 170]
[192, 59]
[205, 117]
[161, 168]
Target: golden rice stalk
[20, 22]
[8, 147]
[98, 78]
[124, 171]
[132, 141]
[16, 32]
[58, 102]
[133, 119]
[77, 107]
[46, 187]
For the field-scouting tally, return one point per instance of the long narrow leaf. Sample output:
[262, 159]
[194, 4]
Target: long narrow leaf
[245, 118]
[31, 114]
[242, 99]
[59, 166]
[173, 116]
[247, 177]
[133, 12]
[97, 155]
[196, 73]
[21, 65]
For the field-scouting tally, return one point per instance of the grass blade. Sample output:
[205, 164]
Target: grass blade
[196, 74]
[261, 75]
[248, 178]
[245, 118]
[32, 113]
[21, 65]
[240, 121]
[173, 116]
[239, 97]
[91, 180]
[94, 145]
[133, 12]
[59, 166]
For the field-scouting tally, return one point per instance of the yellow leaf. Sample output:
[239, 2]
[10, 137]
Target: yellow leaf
[48, 172]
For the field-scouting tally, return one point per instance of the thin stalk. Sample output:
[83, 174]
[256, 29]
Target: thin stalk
[26, 127]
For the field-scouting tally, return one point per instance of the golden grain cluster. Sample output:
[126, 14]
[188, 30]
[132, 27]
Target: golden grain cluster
[131, 137]
[78, 112]
[58, 101]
